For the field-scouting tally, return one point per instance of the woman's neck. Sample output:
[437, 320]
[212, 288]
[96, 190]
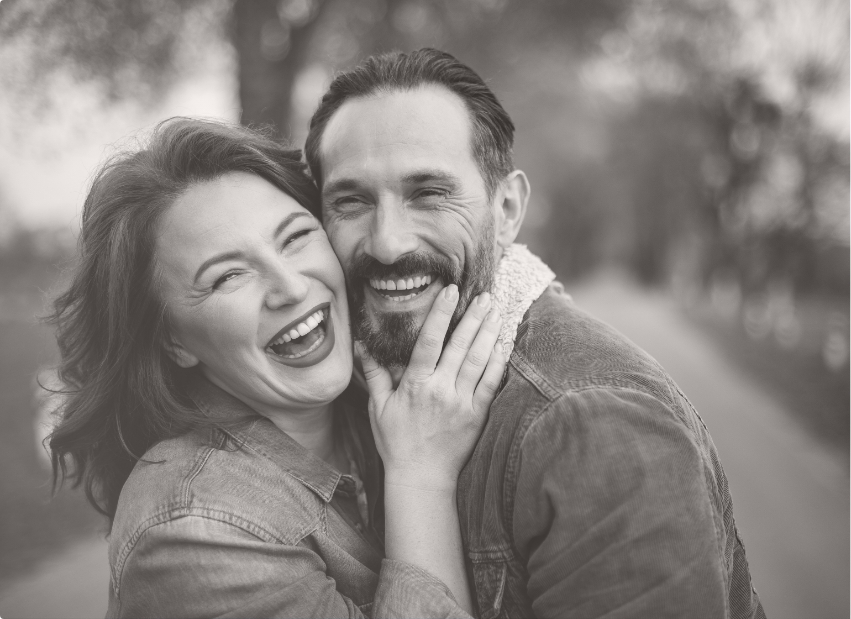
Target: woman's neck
[314, 430]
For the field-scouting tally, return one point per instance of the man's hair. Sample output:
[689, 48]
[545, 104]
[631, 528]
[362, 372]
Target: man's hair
[492, 129]
[123, 393]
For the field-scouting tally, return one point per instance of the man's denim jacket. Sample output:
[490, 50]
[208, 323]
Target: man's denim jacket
[595, 489]
[248, 523]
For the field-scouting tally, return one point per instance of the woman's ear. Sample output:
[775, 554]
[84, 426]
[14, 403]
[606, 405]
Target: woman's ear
[180, 355]
[511, 207]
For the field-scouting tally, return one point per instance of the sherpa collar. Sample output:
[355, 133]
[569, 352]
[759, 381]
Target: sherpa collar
[521, 277]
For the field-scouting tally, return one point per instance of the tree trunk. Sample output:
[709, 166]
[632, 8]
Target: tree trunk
[270, 54]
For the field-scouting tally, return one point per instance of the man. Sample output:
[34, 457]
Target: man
[595, 489]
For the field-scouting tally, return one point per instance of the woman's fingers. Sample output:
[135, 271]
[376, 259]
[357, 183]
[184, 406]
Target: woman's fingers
[479, 354]
[491, 379]
[462, 339]
[378, 379]
[430, 340]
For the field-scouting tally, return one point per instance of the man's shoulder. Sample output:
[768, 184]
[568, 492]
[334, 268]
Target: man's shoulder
[560, 349]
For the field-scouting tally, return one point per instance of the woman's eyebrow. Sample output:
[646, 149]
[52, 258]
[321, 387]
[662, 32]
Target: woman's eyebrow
[231, 255]
[286, 221]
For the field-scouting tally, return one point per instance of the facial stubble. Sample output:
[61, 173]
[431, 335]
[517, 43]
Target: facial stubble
[390, 337]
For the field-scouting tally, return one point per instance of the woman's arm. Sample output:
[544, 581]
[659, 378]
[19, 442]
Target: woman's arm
[426, 429]
[199, 566]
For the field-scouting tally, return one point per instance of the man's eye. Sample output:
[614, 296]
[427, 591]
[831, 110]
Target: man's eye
[348, 201]
[431, 194]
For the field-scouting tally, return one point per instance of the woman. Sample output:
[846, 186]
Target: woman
[206, 345]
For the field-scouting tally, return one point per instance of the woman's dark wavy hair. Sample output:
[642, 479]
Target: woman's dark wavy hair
[123, 393]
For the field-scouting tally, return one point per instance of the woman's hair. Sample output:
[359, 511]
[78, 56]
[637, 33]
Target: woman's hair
[122, 391]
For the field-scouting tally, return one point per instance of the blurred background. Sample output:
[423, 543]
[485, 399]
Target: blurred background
[690, 169]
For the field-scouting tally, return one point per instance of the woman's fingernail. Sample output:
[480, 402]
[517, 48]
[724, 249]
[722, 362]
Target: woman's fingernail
[484, 299]
[451, 292]
[494, 315]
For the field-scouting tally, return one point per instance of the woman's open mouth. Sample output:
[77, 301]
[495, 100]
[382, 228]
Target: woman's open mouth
[306, 341]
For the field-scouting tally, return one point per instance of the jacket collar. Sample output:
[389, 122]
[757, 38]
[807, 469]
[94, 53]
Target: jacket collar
[261, 436]
[521, 277]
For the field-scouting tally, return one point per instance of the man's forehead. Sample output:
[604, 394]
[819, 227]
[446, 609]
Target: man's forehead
[424, 122]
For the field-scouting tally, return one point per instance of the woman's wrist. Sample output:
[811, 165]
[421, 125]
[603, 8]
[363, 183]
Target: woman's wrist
[419, 478]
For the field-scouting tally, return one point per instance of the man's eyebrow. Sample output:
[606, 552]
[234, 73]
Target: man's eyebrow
[425, 176]
[411, 178]
[340, 184]
[231, 255]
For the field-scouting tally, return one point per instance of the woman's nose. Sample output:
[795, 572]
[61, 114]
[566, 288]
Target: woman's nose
[286, 287]
[391, 235]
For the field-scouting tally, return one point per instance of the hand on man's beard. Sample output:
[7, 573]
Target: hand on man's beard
[390, 337]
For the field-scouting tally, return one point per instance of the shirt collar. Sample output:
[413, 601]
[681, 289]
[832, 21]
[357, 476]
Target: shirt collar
[521, 277]
[262, 436]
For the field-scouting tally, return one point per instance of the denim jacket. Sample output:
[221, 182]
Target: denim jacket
[248, 523]
[595, 489]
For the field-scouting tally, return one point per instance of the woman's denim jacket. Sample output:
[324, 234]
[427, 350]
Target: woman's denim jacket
[243, 524]
[595, 489]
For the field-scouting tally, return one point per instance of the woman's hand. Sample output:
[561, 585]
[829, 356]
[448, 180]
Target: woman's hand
[426, 428]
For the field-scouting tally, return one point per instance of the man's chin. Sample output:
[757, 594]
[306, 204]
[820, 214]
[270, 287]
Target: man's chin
[389, 337]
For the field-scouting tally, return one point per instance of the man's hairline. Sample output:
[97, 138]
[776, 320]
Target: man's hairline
[387, 90]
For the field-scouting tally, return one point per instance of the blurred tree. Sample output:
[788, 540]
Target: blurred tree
[138, 49]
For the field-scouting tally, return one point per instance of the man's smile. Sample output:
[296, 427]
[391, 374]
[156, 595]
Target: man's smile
[401, 289]
[409, 293]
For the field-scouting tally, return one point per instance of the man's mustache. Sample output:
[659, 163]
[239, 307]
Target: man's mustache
[420, 263]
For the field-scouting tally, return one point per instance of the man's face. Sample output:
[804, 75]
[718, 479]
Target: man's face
[407, 212]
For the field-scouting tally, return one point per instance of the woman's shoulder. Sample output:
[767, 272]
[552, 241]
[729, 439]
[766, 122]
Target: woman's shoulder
[206, 475]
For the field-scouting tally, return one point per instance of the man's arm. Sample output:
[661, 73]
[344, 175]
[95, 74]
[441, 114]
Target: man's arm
[612, 512]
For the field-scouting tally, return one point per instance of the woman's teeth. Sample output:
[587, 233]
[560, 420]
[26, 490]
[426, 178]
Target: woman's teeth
[396, 285]
[298, 337]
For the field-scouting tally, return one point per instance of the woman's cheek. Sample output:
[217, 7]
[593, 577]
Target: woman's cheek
[232, 318]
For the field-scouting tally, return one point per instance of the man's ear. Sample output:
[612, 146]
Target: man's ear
[511, 207]
[180, 355]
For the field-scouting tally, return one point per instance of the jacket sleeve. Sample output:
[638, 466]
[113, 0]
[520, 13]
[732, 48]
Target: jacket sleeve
[201, 567]
[613, 512]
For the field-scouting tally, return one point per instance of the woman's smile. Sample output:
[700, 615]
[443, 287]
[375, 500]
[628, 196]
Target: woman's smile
[306, 341]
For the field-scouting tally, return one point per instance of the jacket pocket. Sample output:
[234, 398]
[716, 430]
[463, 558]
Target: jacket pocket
[489, 579]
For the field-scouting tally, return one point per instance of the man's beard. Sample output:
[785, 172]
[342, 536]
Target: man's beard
[390, 337]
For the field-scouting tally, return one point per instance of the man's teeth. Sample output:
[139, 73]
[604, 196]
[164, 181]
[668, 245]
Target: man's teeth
[401, 284]
[301, 329]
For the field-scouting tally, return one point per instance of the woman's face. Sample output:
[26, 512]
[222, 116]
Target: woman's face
[254, 294]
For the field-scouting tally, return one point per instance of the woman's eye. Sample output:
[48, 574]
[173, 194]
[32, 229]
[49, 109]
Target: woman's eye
[224, 278]
[297, 235]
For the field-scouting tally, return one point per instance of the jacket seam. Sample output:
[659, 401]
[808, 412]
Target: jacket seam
[512, 465]
[187, 484]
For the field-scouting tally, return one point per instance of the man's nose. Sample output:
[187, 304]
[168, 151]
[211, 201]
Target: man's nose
[286, 286]
[391, 235]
